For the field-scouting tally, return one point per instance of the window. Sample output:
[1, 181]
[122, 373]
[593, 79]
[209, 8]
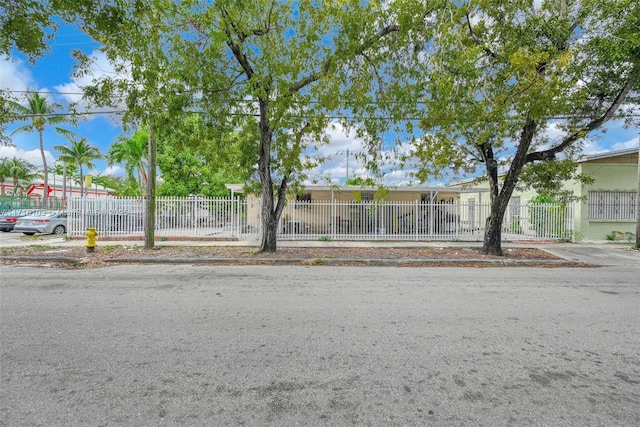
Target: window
[612, 205]
[306, 197]
[367, 196]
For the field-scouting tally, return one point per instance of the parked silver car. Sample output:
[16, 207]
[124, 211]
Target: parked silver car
[9, 219]
[45, 222]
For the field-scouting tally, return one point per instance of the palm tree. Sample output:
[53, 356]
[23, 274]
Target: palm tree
[79, 154]
[133, 153]
[18, 170]
[40, 113]
[4, 170]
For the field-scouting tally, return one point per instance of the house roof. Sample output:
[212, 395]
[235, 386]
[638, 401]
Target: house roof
[607, 155]
[582, 159]
[239, 188]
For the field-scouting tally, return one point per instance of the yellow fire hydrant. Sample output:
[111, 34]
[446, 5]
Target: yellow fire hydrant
[92, 235]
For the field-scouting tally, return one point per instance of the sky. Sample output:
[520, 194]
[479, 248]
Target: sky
[52, 76]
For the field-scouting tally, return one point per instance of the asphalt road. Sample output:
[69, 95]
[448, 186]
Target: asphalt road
[183, 345]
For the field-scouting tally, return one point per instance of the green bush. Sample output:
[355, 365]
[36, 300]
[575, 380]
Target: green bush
[547, 216]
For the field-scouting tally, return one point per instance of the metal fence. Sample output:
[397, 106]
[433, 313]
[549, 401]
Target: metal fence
[202, 218]
[421, 221]
[9, 202]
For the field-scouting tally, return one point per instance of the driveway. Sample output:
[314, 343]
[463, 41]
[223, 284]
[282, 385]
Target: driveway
[604, 254]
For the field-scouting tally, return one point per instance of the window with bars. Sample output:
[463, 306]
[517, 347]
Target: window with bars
[367, 196]
[612, 205]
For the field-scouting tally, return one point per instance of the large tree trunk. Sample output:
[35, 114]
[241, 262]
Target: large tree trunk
[492, 242]
[269, 222]
[270, 209]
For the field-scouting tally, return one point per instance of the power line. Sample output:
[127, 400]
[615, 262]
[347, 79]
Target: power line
[300, 116]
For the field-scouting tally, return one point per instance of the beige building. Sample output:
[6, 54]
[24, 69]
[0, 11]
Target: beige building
[360, 211]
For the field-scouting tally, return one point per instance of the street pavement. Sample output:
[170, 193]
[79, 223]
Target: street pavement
[253, 345]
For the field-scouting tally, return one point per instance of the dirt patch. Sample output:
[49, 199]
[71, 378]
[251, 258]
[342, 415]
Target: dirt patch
[109, 255]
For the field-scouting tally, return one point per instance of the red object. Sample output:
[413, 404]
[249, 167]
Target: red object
[39, 187]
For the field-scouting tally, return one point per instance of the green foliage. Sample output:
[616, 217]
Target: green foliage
[26, 26]
[495, 77]
[18, 170]
[133, 153]
[40, 113]
[194, 159]
[79, 154]
[543, 198]
[362, 182]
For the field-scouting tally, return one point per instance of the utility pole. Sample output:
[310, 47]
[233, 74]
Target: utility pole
[638, 200]
[347, 152]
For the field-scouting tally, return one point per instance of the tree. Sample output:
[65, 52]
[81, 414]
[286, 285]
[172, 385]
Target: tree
[499, 75]
[195, 159]
[137, 37]
[18, 170]
[286, 64]
[133, 152]
[273, 68]
[4, 169]
[25, 25]
[40, 113]
[80, 154]
[358, 180]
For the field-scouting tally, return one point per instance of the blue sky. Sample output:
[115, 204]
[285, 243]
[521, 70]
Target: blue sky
[53, 73]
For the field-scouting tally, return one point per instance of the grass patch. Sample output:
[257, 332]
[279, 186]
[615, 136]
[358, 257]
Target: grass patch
[249, 253]
[36, 246]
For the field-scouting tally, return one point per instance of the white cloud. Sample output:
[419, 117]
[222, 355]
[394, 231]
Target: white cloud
[632, 143]
[15, 75]
[335, 154]
[114, 170]
[334, 168]
[72, 91]
[32, 156]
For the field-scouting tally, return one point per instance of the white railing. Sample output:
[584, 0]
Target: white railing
[421, 221]
[202, 218]
[191, 217]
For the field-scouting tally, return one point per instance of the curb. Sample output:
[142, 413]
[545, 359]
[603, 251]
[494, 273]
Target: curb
[408, 262]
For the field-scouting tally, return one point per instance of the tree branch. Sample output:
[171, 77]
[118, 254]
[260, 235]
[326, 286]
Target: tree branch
[550, 153]
[478, 41]
[326, 67]
[236, 48]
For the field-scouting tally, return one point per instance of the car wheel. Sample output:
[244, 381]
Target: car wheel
[59, 229]
[28, 234]
[6, 230]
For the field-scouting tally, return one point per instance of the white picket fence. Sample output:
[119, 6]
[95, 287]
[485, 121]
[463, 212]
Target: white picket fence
[220, 218]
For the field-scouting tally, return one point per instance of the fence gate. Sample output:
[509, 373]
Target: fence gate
[185, 217]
